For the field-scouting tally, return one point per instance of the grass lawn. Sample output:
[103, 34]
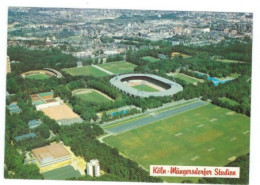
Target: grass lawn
[186, 78]
[93, 97]
[146, 88]
[229, 101]
[61, 173]
[85, 71]
[37, 76]
[151, 59]
[118, 67]
[206, 136]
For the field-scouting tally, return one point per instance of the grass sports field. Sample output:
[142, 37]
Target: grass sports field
[205, 136]
[118, 67]
[61, 173]
[37, 76]
[150, 59]
[186, 78]
[85, 71]
[93, 97]
[146, 88]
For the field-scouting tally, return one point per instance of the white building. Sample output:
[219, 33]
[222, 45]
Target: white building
[93, 168]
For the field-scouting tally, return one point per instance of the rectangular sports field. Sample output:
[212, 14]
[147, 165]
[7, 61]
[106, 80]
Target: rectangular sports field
[62, 173]
[93, 97]
[146, 88]
[186, 78]
[118, 67]
[85, 71]
[151, 59]
[205, 136]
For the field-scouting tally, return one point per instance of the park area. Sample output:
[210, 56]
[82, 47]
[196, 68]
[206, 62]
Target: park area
[91, 95]
[85, 71]
[204, 136]
[62, 173]
[144, 87]
[118, 67]
[151, 59]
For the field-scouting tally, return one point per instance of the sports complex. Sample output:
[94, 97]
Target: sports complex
[188, 133]
[145, 85]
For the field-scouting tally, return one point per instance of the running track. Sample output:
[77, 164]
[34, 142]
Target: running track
[158, 116]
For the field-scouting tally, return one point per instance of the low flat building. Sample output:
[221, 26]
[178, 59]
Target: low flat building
[25, 136]
[51, 154]
[34, 123]
[14, 108]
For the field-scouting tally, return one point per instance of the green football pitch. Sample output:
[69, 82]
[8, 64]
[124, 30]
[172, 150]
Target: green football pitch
[93, 97]
[186, 78]
[62, 173]
[85, 71]
[118, 67]
[144, 87]
[150, 59]
[205, 136]
[37, 76]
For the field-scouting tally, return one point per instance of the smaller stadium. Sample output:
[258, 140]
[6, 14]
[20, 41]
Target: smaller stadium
[145, 85]
[41, 74]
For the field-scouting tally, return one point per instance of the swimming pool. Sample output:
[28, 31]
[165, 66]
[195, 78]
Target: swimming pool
[215, 80]
[121, 112]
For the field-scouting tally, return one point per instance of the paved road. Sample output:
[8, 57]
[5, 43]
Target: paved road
[158, 116]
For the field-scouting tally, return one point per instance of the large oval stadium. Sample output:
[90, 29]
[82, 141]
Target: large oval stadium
[145, 85]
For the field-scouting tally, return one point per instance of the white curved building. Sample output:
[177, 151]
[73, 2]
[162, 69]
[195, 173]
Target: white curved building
[169, 87]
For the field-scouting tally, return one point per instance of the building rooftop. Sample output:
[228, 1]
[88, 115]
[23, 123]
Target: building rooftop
[25, 136]
[50, 152]
[14, 108]
[34, 123]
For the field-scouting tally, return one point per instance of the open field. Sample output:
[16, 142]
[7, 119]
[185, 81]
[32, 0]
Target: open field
[37, 76]
[229, 61]
[93, 97]
[187, 78]
[85, 71]
[118, 67]
[144, 87]
[61, 173]
[150, 59]
[195, 137]
[229, 101]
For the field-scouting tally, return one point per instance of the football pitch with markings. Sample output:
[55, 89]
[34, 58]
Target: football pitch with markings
[205, 136]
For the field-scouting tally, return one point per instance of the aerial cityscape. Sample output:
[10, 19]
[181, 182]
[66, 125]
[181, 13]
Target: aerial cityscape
[103, 94]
